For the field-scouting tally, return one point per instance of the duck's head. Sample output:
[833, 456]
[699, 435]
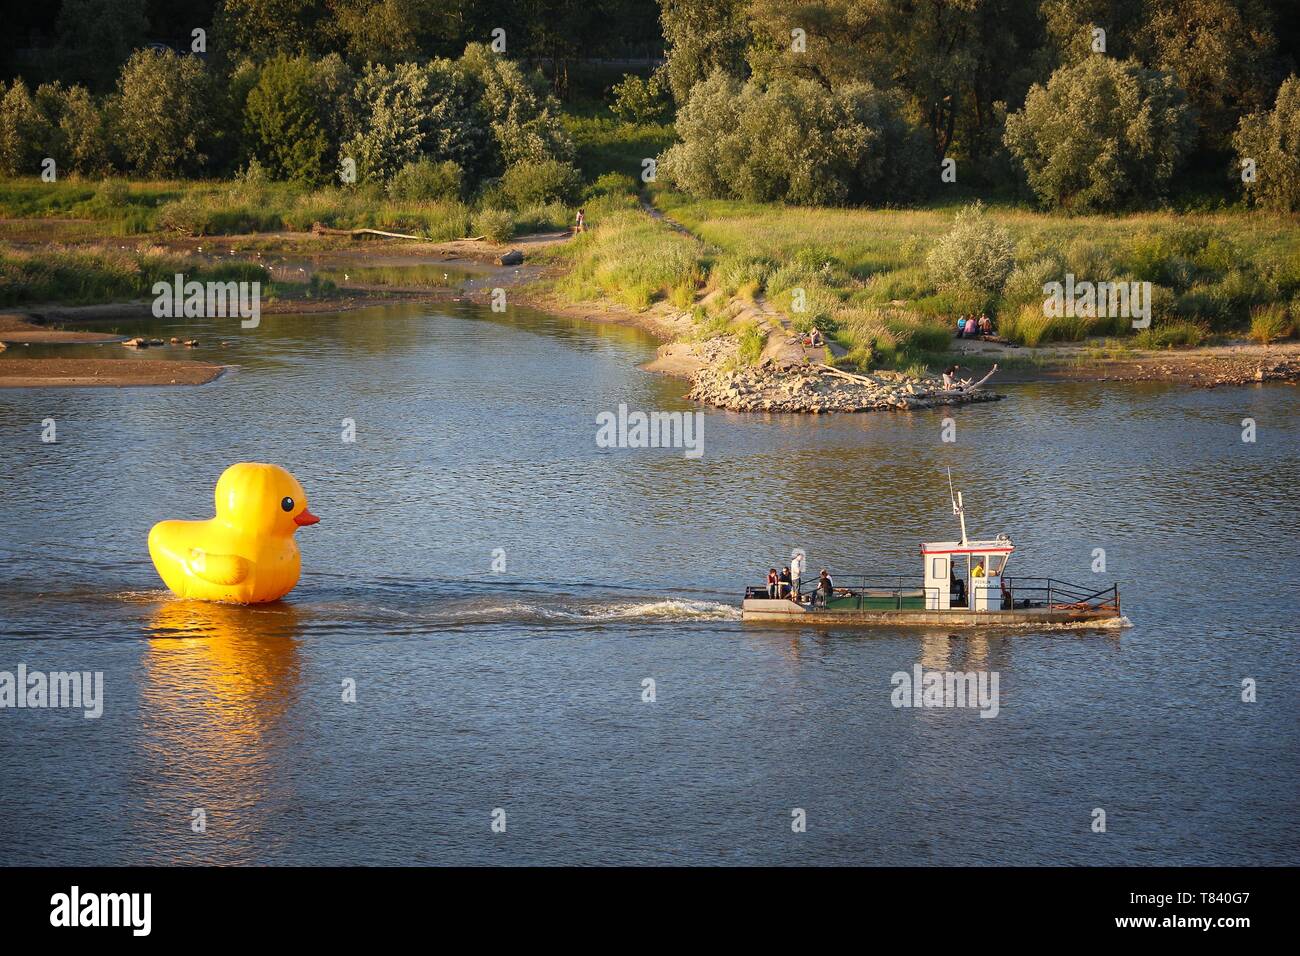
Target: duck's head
[263, 499]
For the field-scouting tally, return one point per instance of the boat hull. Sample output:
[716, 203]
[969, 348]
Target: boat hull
[787, 612]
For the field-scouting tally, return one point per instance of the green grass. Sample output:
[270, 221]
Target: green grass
[750, 340]
[629, 257]
[1270, 322]
[210, 208]
[84, 276]
[1209, 268]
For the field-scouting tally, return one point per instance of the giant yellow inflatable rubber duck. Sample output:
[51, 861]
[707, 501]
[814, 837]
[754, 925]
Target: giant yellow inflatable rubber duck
[246, 554]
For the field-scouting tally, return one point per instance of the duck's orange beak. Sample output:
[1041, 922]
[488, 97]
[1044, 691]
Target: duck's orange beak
[305, 518]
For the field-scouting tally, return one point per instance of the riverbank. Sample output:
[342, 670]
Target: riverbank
[739, 350]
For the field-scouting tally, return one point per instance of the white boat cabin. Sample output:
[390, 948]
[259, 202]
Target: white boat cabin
[965, 573]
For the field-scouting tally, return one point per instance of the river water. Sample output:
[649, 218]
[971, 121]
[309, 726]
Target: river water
[523, 689]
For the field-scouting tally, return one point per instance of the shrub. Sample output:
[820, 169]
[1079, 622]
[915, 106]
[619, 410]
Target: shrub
[293, 116]
[791, 140]
[1100, 133]
[77, 135]
[1171, 334]
[112, 194]
[186, 216]
[540, 183]
[162, 113]
[425, 180]
[523, 121]
[496, 225]
[1269, 322]
[24, 132]
[1272, 141]
[974, 256]
[642, 101]
[612, 184]
[1024, 285]
[410, 111]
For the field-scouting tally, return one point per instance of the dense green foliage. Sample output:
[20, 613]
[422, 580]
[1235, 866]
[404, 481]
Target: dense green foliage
[1101, 133]
[790, 140]
[1271, 140]
[292, 117]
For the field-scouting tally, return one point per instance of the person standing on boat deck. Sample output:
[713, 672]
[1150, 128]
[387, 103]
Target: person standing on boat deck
[771, 583]
[796, 572]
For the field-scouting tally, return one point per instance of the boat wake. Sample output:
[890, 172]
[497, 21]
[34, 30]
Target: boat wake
[586, 611]
[1108, 624]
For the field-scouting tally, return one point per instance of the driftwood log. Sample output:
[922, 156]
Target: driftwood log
[320, 229]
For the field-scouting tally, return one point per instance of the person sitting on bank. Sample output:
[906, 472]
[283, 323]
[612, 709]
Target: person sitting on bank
[784, 581]
[950, 377]
[986, 325]
[771, 583]
[961, 325]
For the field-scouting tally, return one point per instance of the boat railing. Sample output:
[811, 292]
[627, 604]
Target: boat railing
[859, 589]
[1013, 593]
[1057, 595]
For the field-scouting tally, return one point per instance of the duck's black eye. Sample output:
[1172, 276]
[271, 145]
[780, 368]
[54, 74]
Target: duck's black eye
[287, 504]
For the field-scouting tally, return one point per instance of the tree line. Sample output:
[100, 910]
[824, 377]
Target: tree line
[1084, 104]
[1077, 104]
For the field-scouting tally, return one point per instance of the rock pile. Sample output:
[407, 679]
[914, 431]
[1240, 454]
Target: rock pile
[814, 389]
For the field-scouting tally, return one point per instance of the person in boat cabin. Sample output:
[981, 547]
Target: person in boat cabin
[978, 570]
[771, 582]
[796, 572]
[957, 593]
[785, 581]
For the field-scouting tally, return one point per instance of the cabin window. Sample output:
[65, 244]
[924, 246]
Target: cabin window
[939, 568]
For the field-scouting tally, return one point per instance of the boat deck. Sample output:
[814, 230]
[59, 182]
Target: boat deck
[877, 602]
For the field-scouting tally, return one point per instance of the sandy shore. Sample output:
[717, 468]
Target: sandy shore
[17, 328]
[82, 372]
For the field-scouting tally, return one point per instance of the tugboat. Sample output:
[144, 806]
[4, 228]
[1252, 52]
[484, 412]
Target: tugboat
[943, 597]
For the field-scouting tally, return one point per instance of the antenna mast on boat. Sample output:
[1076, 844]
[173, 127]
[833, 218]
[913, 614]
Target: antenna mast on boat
[958, 508]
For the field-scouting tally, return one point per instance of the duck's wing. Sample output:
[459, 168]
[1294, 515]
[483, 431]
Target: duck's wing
[219, 568]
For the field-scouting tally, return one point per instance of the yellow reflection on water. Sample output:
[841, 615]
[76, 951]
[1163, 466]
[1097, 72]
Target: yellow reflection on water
[217, 682]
